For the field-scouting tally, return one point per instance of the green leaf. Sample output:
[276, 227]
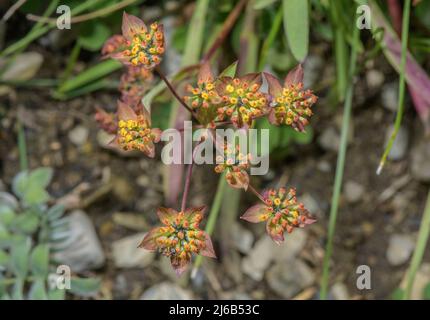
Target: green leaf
[4, 260]
[6, 215]
[426, 292]
[19, 183]
[179, 38]
[39, 262]
[398, 294]
[7, 199]
[93, 34]
[31, 186]
[230, 71]
[36, 195]
[55, 212]
[38, 290]
[303, 137]
[89, 75]
[5, 236]
[41, 177]
[56, 294]
[261, 4]
[85, 286]
[18, 289]
[27, 222]
[20, 253]
[296, 26]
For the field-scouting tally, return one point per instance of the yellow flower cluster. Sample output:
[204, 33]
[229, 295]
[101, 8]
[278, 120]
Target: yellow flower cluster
[293, 106]
[146, 48]
[242, 102]
[134, 134]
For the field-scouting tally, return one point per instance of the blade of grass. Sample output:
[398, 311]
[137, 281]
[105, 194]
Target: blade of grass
[96, 72]
[71, 62]
[35, 32]
[40, 29]
[341, 50]
[274, 29]
[401, 102]
[85, 17]
[213, 215]
[339, 166]
[417, 258]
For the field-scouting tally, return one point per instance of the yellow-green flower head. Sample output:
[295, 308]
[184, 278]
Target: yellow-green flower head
[290, 104]
[180, 237]
[134, 130]
[281, 212]
[241, 99]
[143, 46]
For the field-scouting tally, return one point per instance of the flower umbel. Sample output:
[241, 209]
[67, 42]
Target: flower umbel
[281, 211]
[235, 164]
[143, 46]
[290, 105]
[241, 99]
[134, 130]
[203, 98]
[180, 237]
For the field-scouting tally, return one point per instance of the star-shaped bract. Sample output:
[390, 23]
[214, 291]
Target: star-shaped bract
[179, 237]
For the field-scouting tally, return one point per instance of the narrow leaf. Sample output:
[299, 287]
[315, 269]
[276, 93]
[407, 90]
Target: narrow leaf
[296, 26]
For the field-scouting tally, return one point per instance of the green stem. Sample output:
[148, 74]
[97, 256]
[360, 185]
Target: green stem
[270, 38]
[339, 166]
[71, 62]
[401, 104]
[417, 258]
[22, 147]
[213, 215]
[341, 50]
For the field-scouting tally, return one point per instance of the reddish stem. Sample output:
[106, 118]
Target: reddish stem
[169, 85]
[188, 180]
[396, 15]
[259, 196]
[226, 28]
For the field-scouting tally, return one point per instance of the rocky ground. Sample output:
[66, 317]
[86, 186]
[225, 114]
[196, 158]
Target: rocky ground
[112, 199]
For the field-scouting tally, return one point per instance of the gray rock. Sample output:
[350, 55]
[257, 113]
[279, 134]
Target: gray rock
[389, 96]
[288, 279]
[329, 139]
[126, 254]
[339, 291]
[242, 238]
[265, 251]
[400, 248]
[256, 263]
[166, 291]
[324, 166]
[420, 161]
[400, 145]
[374, 78]
[78, 135]
[81, 250]
[23, 67]
[353, 191]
